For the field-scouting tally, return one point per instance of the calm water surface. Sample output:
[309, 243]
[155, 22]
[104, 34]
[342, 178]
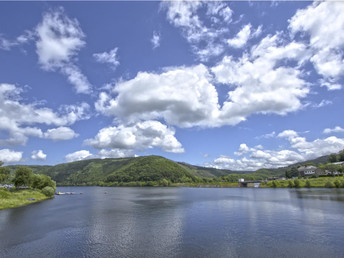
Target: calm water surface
[177, 222]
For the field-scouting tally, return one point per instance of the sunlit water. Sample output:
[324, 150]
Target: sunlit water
[177, 222]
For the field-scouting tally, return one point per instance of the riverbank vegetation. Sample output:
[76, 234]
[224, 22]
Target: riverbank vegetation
[24, 187]
[319, 182]
[19, 197]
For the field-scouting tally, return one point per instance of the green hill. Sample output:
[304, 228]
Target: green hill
[139, 169]
[146, 169]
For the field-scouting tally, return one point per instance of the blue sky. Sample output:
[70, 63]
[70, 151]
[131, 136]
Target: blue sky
[236, 85]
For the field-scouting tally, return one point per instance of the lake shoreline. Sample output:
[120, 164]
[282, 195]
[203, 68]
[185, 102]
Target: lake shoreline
[19, 198]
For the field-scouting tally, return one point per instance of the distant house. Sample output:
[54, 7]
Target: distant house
[310, 171]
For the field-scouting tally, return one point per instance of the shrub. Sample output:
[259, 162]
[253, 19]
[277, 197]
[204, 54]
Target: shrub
[4, 194]
[164, 182]
[308, 183]
[329, 184]
[274, 184]
[337, 183]
[290, 184]
[296, 183]
[48, 191]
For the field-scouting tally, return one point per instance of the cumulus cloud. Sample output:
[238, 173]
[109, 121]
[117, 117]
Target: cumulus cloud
[186, 97]
[253, 158]
[108, 57]
[59, 40]
[38, 155]
[325, 41]
[10, 156]
[78, 155]
[182, 96]
[61, 133]
[17, 118]
[142, 135]
[262, 86]
[155, 40]
[337, 129]
[114, 153]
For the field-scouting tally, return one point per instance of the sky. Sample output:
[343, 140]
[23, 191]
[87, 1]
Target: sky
[233, 85]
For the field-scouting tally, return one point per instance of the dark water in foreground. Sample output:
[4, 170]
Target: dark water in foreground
[177, 222]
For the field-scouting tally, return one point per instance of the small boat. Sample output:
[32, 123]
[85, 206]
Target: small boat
[65, 193]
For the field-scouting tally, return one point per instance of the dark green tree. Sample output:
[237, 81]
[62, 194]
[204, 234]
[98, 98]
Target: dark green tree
[23, 176]
[341, 155]
[41, 181]
[4, 174]
[333, 158]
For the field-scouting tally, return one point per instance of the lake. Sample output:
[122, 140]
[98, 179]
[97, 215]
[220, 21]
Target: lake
[177, 222]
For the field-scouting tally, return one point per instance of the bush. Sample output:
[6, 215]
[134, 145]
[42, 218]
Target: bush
[290, 184]
[48, 191]
[296, 183]
[308, 183]
[4, 194]
[329, 184]
[274, 184]
[164, 182]
[337, 183]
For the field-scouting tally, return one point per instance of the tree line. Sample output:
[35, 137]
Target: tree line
[24, 177]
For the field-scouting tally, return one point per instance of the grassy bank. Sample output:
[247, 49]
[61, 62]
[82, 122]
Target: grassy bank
[16, 198]
[320, 182]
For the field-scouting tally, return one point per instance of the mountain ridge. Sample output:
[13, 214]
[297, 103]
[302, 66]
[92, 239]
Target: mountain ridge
[144, 168]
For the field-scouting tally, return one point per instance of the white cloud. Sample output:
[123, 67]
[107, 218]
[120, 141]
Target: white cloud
[182, 96]
[77, 78]
[60, 134]
[108, 57]
[17, 118]
[289, 134]
[6, 44]
[139, 136]
[203, 38]
[38, 155]
[267, 136]
[254, 158]
[59, 40]
[330, 85]
[155, 40]
[114, 153]
[325, 41]
[337, 129]
[185, 96]
[241, 38]
[323, 103]
[10, 156]
[78, 155]
[260, 85]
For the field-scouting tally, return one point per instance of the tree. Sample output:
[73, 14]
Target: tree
[4, 174]
[292, 172]
[331, 167]
[333, 158]
[341, 155]
[23, 176]
[41, 181]
[48, 191]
